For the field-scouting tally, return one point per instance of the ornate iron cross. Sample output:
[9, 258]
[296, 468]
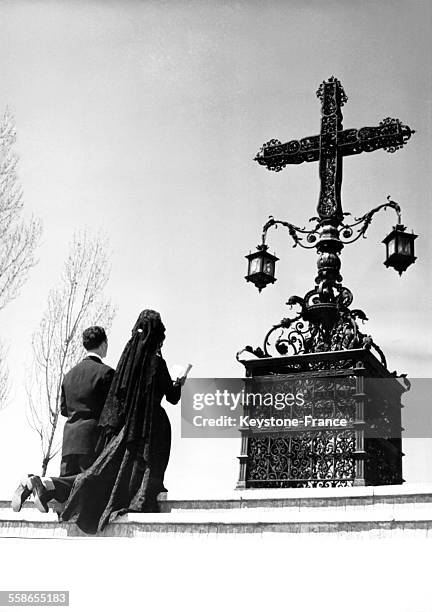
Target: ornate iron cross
[331, 145]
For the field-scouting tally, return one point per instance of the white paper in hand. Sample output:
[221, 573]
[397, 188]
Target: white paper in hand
[178, 371]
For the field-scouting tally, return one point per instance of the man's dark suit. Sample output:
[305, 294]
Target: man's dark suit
[84, 390]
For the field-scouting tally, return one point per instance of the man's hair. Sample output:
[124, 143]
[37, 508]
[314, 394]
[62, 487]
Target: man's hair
[93, 337]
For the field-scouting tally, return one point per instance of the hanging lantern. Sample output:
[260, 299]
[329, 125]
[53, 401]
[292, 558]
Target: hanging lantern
[399, 249]
[261, 267]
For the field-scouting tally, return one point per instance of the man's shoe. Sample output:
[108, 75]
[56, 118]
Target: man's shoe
[41, 495]
[21, 494]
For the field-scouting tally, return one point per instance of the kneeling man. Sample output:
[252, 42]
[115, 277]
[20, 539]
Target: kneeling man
[84, 391]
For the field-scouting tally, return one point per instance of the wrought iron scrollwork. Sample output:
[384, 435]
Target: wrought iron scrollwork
[395, 134]
[364, 222]
[323, 459]
[300, 335]
[294, 231]
[340, 90]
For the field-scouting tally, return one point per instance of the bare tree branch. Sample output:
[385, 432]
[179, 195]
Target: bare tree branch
[18, 238]
[76, 303]
[4, 375]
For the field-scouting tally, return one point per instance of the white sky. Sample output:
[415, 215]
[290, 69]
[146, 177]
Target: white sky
[144, 117]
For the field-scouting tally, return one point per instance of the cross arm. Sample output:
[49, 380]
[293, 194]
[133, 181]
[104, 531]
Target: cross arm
[276, 155]
[390, 135]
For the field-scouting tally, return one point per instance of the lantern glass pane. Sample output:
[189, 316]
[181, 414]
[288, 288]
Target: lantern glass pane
[391, 246]
[404, 247]
[268, 267]
[255, 265]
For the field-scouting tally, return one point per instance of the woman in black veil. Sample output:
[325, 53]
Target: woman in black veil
[135, 435]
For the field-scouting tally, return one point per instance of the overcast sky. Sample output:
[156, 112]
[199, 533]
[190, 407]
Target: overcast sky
[143, 118]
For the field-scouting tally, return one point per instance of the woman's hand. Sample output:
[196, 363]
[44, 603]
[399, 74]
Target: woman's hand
[181, 381]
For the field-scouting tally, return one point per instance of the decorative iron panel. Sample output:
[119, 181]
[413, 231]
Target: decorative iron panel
[303, 456]
[321, 459]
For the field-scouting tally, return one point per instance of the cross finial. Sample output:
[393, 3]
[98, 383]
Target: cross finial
[339, 90]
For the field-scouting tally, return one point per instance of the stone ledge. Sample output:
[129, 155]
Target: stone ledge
[361, 499]
[314, 497]
[149, 527]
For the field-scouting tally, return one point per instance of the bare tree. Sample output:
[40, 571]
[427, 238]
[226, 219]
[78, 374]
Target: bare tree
[76, 303]
[18, 238]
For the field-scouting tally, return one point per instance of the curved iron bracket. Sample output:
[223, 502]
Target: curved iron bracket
[294, 231]
[365, 221]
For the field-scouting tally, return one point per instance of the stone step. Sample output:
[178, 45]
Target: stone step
[153, 525]
[291, 505]
[371, 511]
[388, 498]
